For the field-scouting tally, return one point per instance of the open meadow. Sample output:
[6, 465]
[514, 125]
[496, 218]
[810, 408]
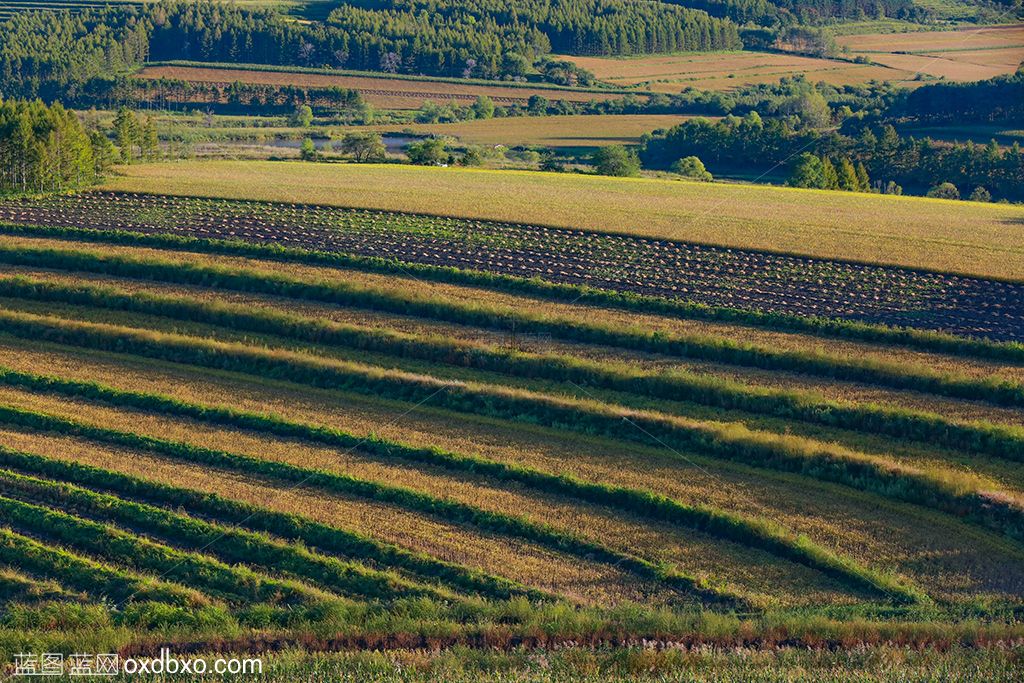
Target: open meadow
[556, 132]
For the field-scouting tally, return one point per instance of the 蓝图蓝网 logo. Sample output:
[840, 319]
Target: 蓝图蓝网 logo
[57, 664]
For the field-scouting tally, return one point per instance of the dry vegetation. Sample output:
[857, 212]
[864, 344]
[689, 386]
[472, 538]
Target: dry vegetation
[724, 70]
[457, 458]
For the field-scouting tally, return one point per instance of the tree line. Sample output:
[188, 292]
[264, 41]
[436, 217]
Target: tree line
[60, 54]
[46, 148]
[810, 156]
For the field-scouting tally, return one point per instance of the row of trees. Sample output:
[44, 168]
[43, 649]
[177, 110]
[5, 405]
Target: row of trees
[824, 174]
[46, 148]
[137, 138]
[753, 144]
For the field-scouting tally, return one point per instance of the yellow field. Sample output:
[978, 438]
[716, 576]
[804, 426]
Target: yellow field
[980, 239]
[550, 131]
[970, 54]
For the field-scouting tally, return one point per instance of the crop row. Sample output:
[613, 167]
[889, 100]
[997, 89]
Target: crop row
[553, 291]
[700, 347]
[755, 533]
[405, 498]
[314, 535]
[958, 494]
[710, 275]
[237, 585]
[899, 423]
[89, 576]
[752, 532]
[234, 546]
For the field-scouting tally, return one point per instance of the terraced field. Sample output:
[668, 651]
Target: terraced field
[694, 274]
[298, 437]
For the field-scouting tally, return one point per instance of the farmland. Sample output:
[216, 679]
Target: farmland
[972, 239]
[556, 132]
[207, 407]
[457, 340]
[702, 275]
[962, 55]
[382, 91]
[724, 70]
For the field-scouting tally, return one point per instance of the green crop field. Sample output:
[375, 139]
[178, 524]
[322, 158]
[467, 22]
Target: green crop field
[259, 444]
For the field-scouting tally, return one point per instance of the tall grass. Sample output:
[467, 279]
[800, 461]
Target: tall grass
[1000, 392]
[552, 291]
[999, 441]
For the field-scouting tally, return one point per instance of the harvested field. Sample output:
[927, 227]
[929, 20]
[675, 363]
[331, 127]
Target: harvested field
[973, 239]
[388, 93]
[962, 55]
[725, 71]
[1010, 36]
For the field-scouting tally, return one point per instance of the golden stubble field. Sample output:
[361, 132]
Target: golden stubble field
[965, 237]
[722, 70]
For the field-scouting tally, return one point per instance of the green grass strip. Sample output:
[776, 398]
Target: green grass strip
[922, 340]
[89, 576]
[326, 539]
[999, 441]
[233, 546]
[716, 349]
[954, 492]
[237, 585]
[756, 533]
[448, 510]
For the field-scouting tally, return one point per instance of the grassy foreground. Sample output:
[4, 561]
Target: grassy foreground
[977, 239]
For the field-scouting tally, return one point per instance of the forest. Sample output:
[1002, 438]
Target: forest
[62, 54]
[45, 149]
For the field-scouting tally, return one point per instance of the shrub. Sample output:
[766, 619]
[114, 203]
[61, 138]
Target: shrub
[944, 191]
[616, 160]
[691, 167]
